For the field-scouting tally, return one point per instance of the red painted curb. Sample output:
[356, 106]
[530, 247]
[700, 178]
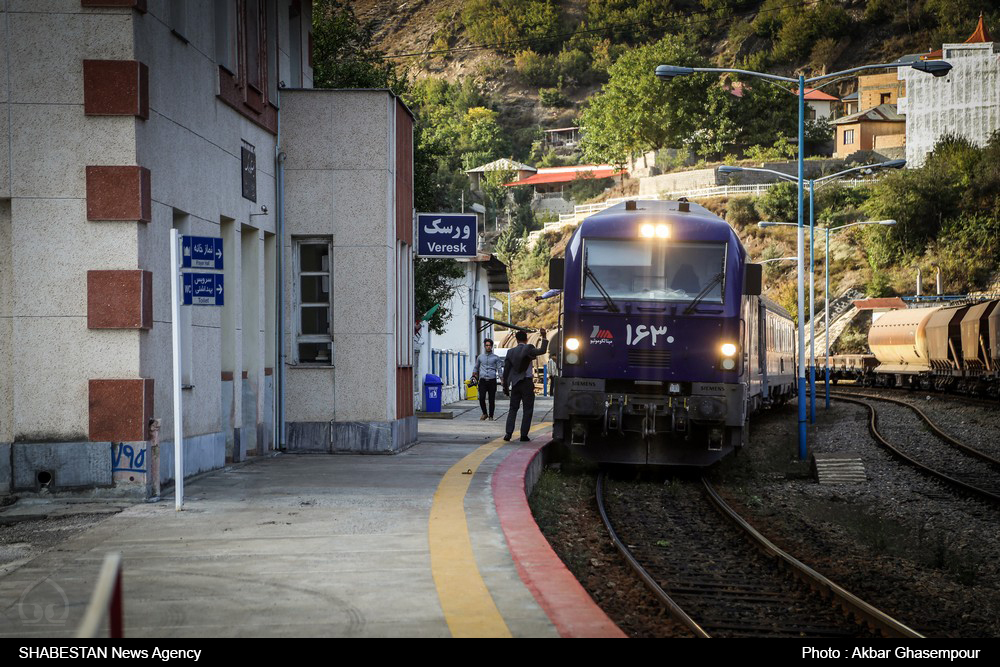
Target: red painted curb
[557, 591]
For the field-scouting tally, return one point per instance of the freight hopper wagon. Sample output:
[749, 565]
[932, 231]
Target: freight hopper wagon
[945, 347]
[668, 346]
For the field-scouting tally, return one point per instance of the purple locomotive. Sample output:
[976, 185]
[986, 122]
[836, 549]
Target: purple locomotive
[667, 344]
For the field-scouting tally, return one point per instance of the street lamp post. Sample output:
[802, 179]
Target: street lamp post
[824, 180]
[826, 314]
[936, 68]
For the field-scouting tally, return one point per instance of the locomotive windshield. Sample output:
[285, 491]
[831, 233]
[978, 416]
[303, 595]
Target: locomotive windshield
[652, 271]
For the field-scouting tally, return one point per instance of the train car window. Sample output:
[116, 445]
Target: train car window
[645, 271]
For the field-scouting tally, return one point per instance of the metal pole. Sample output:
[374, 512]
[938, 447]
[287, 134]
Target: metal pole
[801, 275]
[175, 316]
[827, 318]
[812, 302]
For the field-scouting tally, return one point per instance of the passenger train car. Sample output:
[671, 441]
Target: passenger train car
[667, 344]
[941, 347]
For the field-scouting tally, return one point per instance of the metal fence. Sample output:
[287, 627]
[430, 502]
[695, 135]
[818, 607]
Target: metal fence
[449, 365]
[754, 189]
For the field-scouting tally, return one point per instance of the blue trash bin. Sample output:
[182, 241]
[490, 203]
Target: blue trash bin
[432, 393]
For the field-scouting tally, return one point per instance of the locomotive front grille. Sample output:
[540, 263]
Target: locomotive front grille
[649, 358]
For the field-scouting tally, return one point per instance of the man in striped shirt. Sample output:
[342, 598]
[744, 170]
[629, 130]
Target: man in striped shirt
[486, 372]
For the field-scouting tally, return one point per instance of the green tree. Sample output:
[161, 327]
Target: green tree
[508, 23]
[780, 203]
[344, 55]
[434, 280]
[481, 139]
[636, 112]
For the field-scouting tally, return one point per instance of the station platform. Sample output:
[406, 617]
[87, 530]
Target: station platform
[436, 541]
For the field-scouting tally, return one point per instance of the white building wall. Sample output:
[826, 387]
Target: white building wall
[339, 184]
[966, 102]
[49, 142]
[461, 335]
[191, 145]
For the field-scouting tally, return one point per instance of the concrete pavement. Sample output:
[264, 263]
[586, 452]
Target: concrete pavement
[293, 545]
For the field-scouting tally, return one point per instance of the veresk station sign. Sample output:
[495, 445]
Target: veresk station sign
[446, 234]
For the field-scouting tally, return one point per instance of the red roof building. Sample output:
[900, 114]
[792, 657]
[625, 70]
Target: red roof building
[554, 179]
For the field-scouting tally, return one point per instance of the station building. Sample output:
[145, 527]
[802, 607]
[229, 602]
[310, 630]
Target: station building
[125, 119]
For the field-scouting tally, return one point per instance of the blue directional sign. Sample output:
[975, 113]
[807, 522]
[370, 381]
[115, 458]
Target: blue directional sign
[447, 234]
[201, 252]
[203, 289]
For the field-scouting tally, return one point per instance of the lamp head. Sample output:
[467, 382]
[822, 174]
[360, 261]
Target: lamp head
[933, 67]
[887, 222]
[726, 169]
[667, 72]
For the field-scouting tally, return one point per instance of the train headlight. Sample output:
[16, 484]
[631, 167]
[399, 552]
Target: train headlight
[728, 350]
[729, 363]
[572, 358]
[648, 231]
[573, 344]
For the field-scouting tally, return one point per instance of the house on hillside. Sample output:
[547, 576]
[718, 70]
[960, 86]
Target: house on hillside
[880, 129]
[503, 164]
[850, 103]
[819, 105]
[560, 137]
[878, 89]
[966, 102]
[551, 184]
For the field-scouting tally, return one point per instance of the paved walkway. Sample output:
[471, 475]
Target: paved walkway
[305, 545]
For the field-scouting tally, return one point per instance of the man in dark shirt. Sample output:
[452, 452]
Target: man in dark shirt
[519, 383]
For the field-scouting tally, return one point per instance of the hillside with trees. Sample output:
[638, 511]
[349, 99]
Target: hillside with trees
[486, 77]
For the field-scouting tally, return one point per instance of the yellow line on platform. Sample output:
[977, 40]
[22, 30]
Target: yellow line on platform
[468, 607]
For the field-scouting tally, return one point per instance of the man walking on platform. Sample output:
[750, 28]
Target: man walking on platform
[486, 372]
[519, 382]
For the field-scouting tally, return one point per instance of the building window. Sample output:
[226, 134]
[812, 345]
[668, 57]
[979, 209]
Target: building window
[178, 18]
[848, 137]
[295, 45]
[404, 304]
[252, 35]
[245, 50]
[314, 302]
[884, 98]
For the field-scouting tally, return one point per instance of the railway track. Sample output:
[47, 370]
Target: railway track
[721, 578]
[931, 450]
[950, 396]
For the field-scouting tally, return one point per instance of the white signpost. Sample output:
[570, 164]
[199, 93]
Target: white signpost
[197, 289]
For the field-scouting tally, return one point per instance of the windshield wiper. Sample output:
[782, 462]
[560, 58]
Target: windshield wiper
[692, 307]
[600, 288]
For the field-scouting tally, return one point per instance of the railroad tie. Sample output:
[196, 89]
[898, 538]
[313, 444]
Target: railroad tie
[839, 469]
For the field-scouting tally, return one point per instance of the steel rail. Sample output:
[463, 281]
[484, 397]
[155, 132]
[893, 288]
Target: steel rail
[870, 615]
[874, 617]
[971, 451]
[675, 610]
[873, 429]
